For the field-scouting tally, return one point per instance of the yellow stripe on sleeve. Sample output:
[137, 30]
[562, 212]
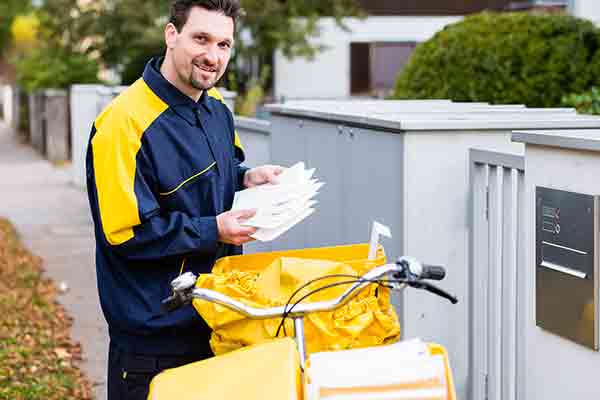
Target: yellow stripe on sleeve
[238, 142]
[119, 131]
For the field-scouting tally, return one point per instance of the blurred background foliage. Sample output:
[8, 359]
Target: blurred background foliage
[75, 40]
[540, 60]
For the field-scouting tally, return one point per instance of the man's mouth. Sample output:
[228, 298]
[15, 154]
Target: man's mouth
[206, 68]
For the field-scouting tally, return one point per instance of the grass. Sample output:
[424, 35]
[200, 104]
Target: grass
[38, 360]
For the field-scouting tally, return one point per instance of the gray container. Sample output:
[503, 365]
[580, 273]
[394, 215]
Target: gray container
[405, 164]
[255, 137]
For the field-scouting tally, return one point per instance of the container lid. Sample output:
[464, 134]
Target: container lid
[588, 139]
[439, 115]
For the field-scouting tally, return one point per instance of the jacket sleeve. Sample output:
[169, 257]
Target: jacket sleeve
[125, 208]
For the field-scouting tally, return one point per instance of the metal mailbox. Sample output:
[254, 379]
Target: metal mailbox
[566, 265]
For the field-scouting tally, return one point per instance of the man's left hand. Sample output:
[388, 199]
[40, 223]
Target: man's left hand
[261, 175]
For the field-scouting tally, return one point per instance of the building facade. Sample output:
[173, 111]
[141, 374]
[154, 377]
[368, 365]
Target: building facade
[366, 59]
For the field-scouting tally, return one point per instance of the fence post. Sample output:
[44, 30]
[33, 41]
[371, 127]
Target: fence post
[36, 121]
[57, 125]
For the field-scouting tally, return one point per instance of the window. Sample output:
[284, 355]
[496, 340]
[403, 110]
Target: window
[374, 67]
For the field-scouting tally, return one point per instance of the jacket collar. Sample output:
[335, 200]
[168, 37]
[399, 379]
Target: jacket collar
[182, 104]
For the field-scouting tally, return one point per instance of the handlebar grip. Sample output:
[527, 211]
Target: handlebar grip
[171, 303]
[433, 272]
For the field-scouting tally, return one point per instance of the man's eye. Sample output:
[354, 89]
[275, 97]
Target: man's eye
[200, 39]
[225, 45]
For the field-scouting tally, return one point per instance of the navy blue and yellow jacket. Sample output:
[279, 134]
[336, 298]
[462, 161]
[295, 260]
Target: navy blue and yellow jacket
[160, 168]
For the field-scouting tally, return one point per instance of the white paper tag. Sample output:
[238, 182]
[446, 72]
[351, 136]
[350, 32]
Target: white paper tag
[377, 230]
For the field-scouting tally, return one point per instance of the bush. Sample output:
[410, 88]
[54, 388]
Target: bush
[58, 68]
[505, 58]
[585, 103]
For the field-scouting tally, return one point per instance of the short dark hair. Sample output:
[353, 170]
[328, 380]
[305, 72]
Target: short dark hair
[180, 10]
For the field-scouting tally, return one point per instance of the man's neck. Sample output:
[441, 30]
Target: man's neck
[168, 71]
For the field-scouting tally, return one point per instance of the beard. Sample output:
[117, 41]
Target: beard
[203, 84]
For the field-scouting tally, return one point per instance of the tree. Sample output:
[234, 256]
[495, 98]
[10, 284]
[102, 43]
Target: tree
[130, 32]
[61, 54]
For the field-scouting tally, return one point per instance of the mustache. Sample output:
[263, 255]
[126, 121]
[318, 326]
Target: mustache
[203, 64]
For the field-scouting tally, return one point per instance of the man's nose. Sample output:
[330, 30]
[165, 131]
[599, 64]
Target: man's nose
[211, 55]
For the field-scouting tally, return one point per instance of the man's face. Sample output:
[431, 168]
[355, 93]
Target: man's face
[202, 49]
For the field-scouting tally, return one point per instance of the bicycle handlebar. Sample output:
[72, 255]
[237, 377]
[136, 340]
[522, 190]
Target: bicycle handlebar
[406, 271]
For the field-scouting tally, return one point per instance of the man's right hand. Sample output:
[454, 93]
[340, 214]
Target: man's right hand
[230, 230]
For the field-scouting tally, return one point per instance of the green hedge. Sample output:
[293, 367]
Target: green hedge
[585, 103]
[505, 58]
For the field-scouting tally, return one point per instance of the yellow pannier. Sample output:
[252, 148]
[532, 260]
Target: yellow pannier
[269, 279]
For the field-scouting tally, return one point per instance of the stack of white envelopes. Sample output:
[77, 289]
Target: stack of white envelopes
[404, 370]
[279, 207]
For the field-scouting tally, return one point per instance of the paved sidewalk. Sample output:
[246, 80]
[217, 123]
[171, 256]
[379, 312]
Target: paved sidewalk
[53, 219]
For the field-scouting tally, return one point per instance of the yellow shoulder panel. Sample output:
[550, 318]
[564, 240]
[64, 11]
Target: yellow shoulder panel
[214, 93]
[119, 130]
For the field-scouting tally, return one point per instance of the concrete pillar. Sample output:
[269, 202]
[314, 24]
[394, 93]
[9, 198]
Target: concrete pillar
[36, 121]
[57, 125]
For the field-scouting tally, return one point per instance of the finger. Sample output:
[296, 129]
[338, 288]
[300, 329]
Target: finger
[244, 240]
[243, 214]
[247, 231]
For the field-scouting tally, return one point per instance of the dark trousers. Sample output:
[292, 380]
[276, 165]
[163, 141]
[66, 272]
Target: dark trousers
[129, 375]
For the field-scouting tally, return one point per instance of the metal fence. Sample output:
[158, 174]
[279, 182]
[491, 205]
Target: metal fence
[496, 279]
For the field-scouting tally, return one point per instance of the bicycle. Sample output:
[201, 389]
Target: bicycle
[406, 272]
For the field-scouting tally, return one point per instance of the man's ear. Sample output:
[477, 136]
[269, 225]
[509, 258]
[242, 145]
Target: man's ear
[170, 35]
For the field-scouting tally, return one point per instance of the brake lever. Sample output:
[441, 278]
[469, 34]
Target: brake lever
[182, 293]
[175, 301]
[433, 289]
